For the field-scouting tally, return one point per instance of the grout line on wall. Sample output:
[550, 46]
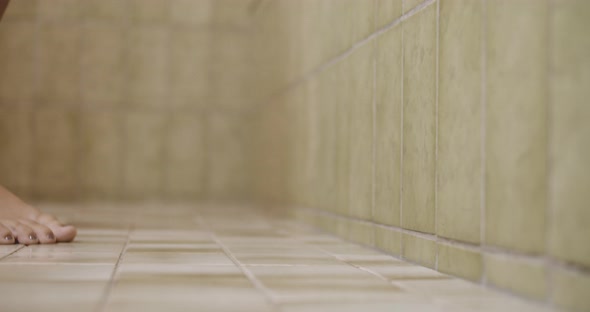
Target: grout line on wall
[401, 140]
[32, 170]
[374, 134]
[437, 78]
[338, 58]
[483, 125]
[123, 142]
[164, 164]
[549, 207]
[78, 189]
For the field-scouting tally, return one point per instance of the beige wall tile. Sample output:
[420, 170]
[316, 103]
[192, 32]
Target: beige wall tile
[459, 158]
[410, 4]
[361, 232]
[17, 60]
[147, 66]
[523, 277]
[333, 40]
[149, 11]
[460, 262]
[16, 158]
[419, 250]
[225, 173]
[59, 64]
[570, 133]
[334, 140]
[185, 155]
[55, 146]
[230, 70]
[189, 72]
[570, 290]
[102, 58]
[59, 10]
[232, 13]
[388, 128]
[360, 73]
[20, 10]
[361, 22]
[111, 10]
[143, 164]
[101, 144]
[419, 121]
[191, 12]
[387, 11]
[516, 141]
[388, 240]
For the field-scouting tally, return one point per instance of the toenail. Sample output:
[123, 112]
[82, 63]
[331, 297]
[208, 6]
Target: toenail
[32, 237]
[8, 238]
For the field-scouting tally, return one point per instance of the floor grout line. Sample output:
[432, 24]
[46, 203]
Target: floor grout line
[111, 283]
[249, 275]
[12, 252]
[436, 130]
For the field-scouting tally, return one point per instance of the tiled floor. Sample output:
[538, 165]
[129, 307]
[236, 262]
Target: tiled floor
[156, 257]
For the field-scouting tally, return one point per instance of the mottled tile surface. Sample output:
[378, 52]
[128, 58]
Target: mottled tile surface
[174, 257]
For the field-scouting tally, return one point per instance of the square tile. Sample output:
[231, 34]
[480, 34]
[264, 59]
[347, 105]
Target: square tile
[59, 56]
[184, 173]
[459, 178]
[143, 164]
[419, 250]
[569, 113]
[387, 11]
[460, 262]
[525, 278]
[55, 168]
[102, 60]
[17, 55]
[388, 123]
[100, 153]
[16, 144]
[516, 129]
[419, 124]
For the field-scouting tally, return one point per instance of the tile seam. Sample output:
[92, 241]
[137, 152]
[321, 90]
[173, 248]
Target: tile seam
[550, 209]
[258, 285]
[374, 134]
[437, 78]
[164, 155]
[12, 252]
[341, 56]
[401, 147]
[483, 249]
[483, 134]
[111, 283]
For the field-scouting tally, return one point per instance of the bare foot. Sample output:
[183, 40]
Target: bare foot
[23, 224]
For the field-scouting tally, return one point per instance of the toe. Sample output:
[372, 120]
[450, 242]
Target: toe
[6, 237]
[44, 234]
[63, 233]
[24, 234]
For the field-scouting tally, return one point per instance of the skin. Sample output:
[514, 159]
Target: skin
[21, 223]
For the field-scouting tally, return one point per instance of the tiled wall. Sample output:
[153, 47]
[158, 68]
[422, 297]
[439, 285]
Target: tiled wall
[125, 99]
[454, 133]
